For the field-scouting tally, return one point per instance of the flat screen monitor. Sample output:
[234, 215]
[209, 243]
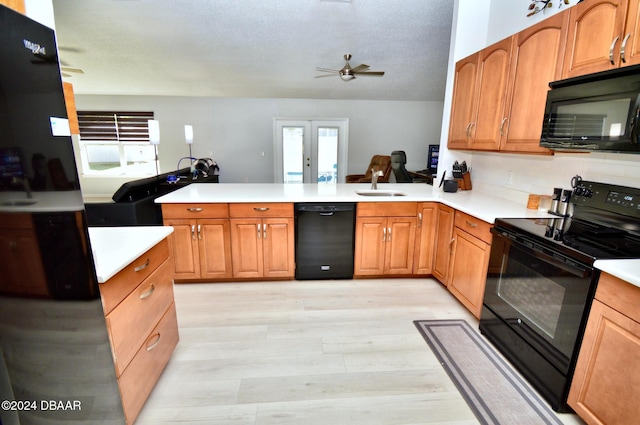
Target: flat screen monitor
[432, 158]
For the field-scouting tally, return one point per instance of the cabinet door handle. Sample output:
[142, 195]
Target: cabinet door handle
[142, 266]
[389, 235]
[193, 209]
[264, 231]
[471, 224]
[623, 47]
[504, 120]
[419, 220]
[259, 233]
[261, 208]
[193, 232]
[155, 343]
[451, 244]
[384, 234]
[467, 130]
[199, 232]
[613, 45]
[148, 292]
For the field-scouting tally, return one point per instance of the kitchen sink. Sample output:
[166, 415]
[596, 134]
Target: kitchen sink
[17, 203]
[380, 193]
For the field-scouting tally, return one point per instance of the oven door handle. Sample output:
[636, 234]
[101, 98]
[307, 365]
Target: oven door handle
[547, 254]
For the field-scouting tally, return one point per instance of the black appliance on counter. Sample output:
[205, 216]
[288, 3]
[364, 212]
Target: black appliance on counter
[324, 240]
[595, 112]
[134, 202]
[537, 299]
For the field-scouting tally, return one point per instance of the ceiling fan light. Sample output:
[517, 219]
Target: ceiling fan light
[347, 76]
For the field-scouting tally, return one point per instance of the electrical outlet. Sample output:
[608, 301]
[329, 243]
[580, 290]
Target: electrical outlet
[509, 180]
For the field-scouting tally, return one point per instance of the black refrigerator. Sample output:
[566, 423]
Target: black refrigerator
[56, 365]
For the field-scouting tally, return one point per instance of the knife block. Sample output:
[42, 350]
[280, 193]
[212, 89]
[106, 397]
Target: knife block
[465, 182]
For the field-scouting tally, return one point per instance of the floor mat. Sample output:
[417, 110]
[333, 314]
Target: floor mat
[495, 393]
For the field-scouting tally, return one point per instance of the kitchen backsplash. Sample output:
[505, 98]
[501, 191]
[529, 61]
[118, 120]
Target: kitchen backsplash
[516, 176]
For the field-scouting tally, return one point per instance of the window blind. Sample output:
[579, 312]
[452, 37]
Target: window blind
[114, 126]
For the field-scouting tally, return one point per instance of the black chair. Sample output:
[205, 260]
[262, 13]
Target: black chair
[398, 160]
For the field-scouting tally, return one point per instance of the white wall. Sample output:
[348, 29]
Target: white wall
[235, 131]
[475, 29]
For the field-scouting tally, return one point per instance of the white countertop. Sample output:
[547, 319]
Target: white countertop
[479, 205]
[627, 270]
[114, 248]
[64, 200]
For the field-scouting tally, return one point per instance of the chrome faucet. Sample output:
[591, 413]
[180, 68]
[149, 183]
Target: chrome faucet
[374, 178]
[25, 183]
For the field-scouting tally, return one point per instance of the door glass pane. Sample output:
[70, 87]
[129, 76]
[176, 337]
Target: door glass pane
[292, 153]
[327, 155]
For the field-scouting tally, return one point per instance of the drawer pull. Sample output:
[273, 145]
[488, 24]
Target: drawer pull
[142, 266]
[471, 224]
[155, 343]
[148, 292]
[194, 209]
[261, 208]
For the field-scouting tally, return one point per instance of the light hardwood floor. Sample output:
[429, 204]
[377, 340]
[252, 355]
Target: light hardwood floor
[341, 352]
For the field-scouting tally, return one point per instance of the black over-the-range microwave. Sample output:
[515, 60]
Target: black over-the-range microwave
[595, 112]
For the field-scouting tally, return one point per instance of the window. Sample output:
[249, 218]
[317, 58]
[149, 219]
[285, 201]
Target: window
[116, 143]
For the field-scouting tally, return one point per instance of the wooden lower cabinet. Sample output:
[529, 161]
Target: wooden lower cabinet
[142, 326]
[443, 239]
[262, 247]
[23, 273]
[426, 229]
[385, 238]
[469, 261]
[201, 248]
[262, 240]
[606, 384]
[201, 240]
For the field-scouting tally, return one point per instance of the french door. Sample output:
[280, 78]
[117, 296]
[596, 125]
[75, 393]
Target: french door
[310, 151]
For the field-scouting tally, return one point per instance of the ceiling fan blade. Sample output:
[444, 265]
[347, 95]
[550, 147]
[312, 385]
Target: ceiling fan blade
[76, 70]
[326, 75]
[359, 68]
[335, 71]
[371, 73]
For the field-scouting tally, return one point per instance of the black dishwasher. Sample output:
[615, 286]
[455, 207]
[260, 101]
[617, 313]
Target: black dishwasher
[324, 240]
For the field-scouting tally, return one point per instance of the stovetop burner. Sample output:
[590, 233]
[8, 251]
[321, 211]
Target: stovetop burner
[605, 224]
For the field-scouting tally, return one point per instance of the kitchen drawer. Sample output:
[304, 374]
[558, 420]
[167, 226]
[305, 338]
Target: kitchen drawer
[147, 365]
[387, 209]
[122, 284]
[261, 210]
[195, 211]
[130, 323]
[16, 221]
[619, 295]
[474, 226]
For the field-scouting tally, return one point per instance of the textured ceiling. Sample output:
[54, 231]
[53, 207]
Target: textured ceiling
[255, 48]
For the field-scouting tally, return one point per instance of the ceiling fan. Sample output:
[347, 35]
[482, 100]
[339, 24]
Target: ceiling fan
[67, 71]
[347, 73]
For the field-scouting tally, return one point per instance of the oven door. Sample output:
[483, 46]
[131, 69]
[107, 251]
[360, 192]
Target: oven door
[541, 295]
[535, 308]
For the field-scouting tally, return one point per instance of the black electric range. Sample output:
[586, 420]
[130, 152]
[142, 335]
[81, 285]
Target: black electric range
[537, 300]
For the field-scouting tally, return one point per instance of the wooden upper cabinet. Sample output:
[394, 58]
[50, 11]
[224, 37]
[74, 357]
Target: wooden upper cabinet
[70, 102]
[597, 35]
[17, 5]
[536, 60]
[463, 102]
[491, 85]
[478, 106]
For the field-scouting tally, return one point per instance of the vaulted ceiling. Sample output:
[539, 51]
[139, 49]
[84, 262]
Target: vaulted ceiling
[255, 48]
